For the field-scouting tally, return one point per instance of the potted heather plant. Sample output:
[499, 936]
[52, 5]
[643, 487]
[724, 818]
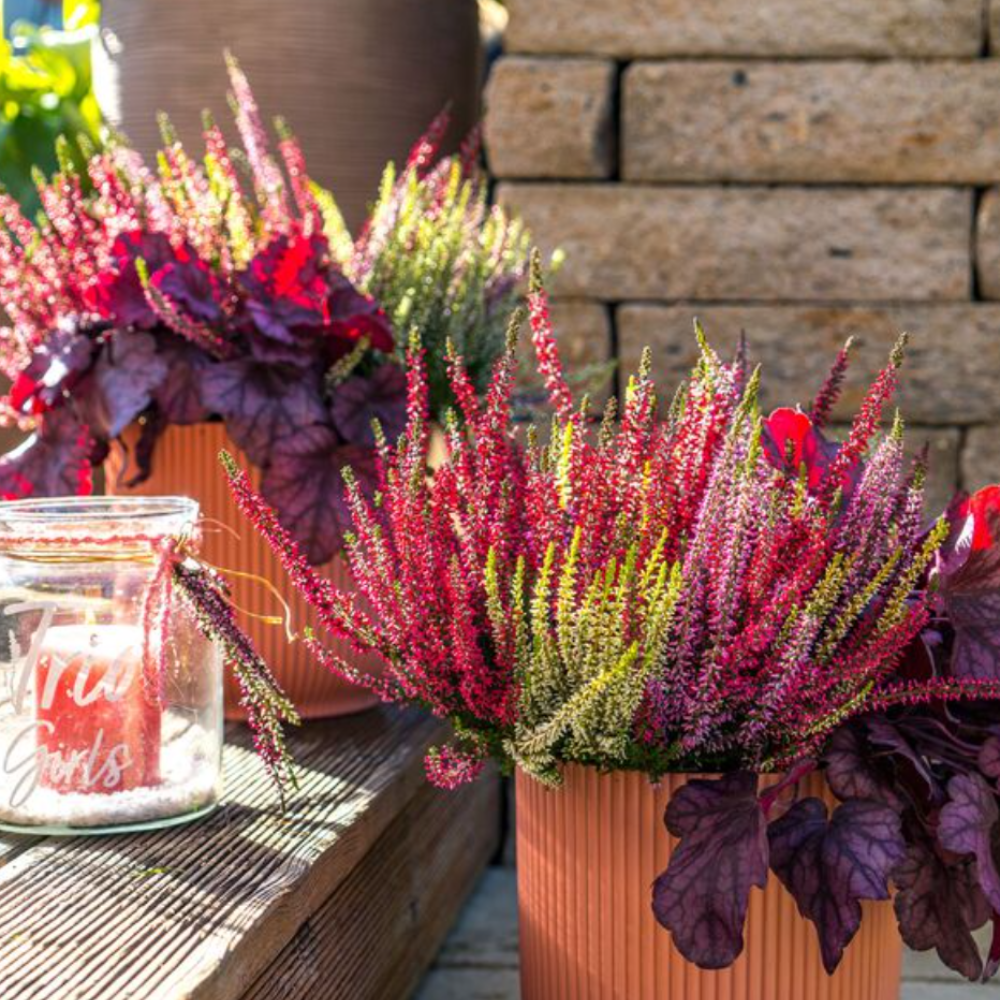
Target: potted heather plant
[722, 653]
[159, 316]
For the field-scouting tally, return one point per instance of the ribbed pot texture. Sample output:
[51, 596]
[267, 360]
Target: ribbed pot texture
[186, 463]
[358, 80]
[587, 855]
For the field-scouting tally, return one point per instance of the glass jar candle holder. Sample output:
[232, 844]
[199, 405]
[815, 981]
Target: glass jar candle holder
[110, 695]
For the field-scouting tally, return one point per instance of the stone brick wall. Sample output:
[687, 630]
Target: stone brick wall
[799, 169]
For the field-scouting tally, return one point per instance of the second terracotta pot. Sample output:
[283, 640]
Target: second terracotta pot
[587, 856]
[186, 463]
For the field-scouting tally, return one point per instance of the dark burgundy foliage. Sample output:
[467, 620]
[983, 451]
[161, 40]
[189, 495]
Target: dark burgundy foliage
[191, 286]
[857, 770]
[179, 396]
[118, 295]
[830, 865]
[989, 758]
[968, 825]
[359, 400]
[54, 461]
[702, 898]
[305, 482]
[121, 383]
[263, 404]
[938, 905]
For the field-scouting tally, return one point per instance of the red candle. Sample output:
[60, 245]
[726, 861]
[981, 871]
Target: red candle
[98, 729]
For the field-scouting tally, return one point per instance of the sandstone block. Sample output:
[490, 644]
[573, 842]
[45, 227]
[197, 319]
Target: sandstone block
[950, 375]
[988, 245]
[627, 242]
[889, 122]
[637, 28]
[551, 118]
[981, 457]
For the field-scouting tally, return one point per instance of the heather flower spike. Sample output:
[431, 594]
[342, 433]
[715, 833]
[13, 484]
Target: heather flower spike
[707, 589]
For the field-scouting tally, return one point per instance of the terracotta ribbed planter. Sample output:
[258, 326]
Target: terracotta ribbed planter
[186, 463]
[587, 855]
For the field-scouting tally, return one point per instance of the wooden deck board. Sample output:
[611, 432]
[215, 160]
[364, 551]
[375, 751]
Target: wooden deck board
[203, 911]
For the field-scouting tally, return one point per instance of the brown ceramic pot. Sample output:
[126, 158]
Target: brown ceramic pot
[587, 855]
[358, 80]
[187, 464]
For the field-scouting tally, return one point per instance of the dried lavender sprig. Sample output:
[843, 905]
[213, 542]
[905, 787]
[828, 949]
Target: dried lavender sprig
[268, 708]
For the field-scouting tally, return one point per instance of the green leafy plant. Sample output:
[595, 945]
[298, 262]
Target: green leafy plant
[45, 92]
[438, 258]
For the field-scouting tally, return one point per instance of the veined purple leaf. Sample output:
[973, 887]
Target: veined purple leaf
[151, 426]
[263, 405]
[989, 757]
[304, 483]
[883, 734]
[968, 825]
[179, 395]
[119, 296]
[121, 384]
[830, 865]
[703, 895]
[359, 399]
[853, 771]
[190, 285]
[53, 462]
[939, 905]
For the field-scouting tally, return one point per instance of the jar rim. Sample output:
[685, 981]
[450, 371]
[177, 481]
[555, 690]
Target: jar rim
[81, 512]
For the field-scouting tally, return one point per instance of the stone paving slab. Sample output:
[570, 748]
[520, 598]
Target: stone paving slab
[479, 959]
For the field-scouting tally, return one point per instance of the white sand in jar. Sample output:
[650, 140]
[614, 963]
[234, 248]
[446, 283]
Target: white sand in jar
[189, 769]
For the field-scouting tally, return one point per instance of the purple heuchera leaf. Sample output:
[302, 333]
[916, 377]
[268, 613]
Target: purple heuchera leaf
[989, 758]
[287, 297]
[885, 736]
[970, 586]
[792, 442]
[968, 825]
[360, 399]
[119, 296]
[304, 483]
[830, 865]
[54, 461]
[121, 384]
[189, 284]
[263, 405]
[54, 368]
[302, 308]
[151, 427]
[179, 395]
[703, 895]
[853, 771]
[939, 905]
[354, 315]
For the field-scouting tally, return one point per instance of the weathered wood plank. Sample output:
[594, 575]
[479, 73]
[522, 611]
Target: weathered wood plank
[380, 930]
[200, 912]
